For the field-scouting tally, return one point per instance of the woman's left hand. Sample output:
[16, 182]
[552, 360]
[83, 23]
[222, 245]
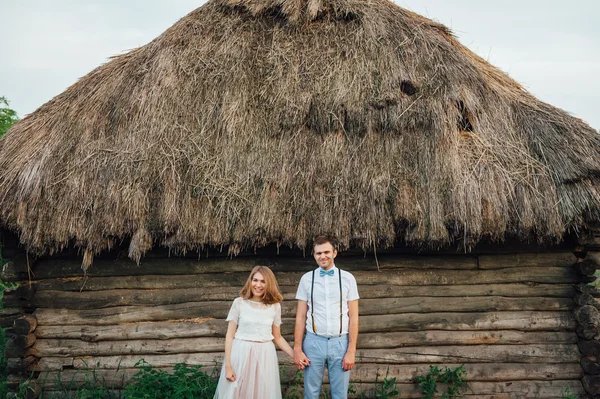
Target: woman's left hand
[230, 374]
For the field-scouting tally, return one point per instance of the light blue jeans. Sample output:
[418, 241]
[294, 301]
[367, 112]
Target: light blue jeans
[330, 352]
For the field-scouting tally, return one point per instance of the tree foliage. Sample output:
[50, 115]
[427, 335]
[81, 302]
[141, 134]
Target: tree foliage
[8, 116]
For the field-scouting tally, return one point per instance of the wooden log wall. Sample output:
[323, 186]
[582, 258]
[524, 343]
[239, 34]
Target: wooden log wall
[586, 312]
[518, 322]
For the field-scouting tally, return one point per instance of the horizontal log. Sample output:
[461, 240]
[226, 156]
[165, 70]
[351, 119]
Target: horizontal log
[489, 372]
[446, 338]
[130, 314]
[401, 354]
[403, 277]
[365, 372]
[219, 309]
[60, 268]
[72, 347]
[508, 290]
[217, 327]
[547, 259]
[50, 363]
[289, 291]
[524, 321]
[527, 389]
[199, 327]
[484, 354]
[382, 305]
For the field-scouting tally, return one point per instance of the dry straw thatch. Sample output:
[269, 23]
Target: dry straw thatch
[258, 121]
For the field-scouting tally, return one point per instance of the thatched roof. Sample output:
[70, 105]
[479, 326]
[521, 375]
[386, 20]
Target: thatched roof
[257, 121]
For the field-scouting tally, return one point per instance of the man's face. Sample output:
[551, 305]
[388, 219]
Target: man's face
[324, 255]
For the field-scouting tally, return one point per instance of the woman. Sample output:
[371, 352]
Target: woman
[250, 369]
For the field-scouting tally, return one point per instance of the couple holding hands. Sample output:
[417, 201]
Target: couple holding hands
[325, 332]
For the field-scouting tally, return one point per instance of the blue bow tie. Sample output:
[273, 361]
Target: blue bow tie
[326, 273]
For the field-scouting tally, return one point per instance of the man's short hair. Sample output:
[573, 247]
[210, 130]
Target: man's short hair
[324, 239]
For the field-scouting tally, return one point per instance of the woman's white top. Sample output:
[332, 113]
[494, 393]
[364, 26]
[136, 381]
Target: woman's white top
[254, 319]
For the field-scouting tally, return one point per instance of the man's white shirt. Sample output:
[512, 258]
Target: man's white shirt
[326, 296]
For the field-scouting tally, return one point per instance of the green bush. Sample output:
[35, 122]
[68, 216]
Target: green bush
[186, 382]
[453, 377]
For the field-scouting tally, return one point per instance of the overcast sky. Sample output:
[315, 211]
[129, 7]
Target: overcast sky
[552, 47]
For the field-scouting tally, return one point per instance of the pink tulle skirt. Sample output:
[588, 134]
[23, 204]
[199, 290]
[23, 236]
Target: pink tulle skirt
[256, 369]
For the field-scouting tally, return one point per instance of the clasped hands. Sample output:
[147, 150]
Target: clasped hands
[300, 360]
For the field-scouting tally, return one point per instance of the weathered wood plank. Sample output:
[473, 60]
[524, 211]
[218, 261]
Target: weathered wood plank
[199, 327]
[368, 372]
[524, 321]
[53, 268]
[366, 291]
[217, 309]
[534, 353]
[446, 338]
[365, 372]
[527, 389]
[131, 314]
[381, 305]
[404, 277]
[217, 327]
[483, 354]
[73, 347]
[509, 290]
[551, 259]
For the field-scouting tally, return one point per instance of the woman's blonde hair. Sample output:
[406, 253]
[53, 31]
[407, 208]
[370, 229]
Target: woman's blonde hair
[271, 294]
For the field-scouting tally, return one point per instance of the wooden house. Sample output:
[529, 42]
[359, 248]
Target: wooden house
[135, 203]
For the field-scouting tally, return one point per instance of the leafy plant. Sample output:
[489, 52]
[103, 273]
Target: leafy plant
[186, 382]
[567, 394]
[8, 117]
[387, 388]
[453, 377]
[293, 390]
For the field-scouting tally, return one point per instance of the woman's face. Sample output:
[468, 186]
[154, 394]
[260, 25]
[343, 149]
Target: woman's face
[258, 286]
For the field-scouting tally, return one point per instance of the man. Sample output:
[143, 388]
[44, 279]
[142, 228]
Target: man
[328, 311]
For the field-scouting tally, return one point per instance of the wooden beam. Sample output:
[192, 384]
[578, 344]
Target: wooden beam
[402, 277]
[381, 305]
[525, 260]
[524, 321]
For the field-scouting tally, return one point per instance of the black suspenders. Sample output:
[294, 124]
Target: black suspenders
[312, 301]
